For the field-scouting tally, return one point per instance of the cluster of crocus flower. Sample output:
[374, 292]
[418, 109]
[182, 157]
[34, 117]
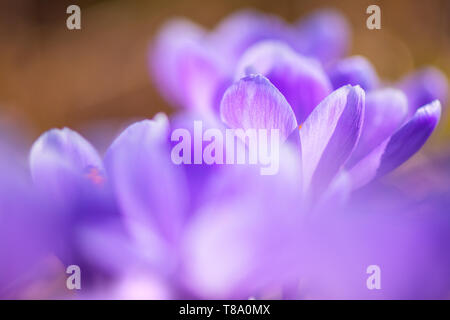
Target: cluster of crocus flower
[139, 225]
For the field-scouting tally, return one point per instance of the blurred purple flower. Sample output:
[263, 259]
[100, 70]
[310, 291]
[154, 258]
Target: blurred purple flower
[301, 80]
[324, 34]
[242, 235]
[210, 231]
[423, 86]
[69, 175]
[24, 236]
[154, 197]
[193, 67]
[355, 70]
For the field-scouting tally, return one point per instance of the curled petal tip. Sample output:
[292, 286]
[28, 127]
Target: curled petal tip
[410, 138]
[424, 86]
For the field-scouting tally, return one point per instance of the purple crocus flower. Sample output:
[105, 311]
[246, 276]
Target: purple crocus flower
[232, 242]
[324, 34]
[355, 70]
[328, 138]
[225, 231]
[154, 197]
[423, 86]
[331, 132]
[193, 67]
[69, 175]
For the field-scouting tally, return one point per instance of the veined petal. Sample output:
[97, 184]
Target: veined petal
[355, 70]
[324, 34]
[254, 103]
[398, 148]
[424, 86]
[301, 80]
[330, 134]
[385, 112]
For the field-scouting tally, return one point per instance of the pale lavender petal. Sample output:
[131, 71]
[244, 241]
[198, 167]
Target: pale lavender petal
[60, 158]
[254, 103]
[203, 76]
[165, 52]
[386, 110]
[355, 70]
[410, 138]
[365, 169]
[398, 148]
[242, 29]
[330, 134]
[335, 196]
[324, 34]
[237, 245]
[199, 174]
[150, 188]
[301, 80]
[424, 86]
[188, 72]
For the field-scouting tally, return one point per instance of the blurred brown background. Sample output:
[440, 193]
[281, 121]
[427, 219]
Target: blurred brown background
[54, 77]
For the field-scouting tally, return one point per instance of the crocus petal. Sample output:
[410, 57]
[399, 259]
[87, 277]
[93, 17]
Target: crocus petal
[424, 86]
[335, 196]
[149, 187]
[197, 174]
[254, 103]
[236, 244]
[355, 70]
[324, 34]
[61, 157]
[301, 80]
[398, 148]
[330, 134]
[165, 52]
[365, 170]
[244, 28]
[203, 77]
[410, 138]
[386, 110]
[68, 174]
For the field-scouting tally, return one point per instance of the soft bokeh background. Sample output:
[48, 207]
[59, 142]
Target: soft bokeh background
[53, 77]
